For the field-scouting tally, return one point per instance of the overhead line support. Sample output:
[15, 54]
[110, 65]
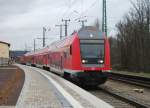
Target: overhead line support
[66, 26]
[104, 18]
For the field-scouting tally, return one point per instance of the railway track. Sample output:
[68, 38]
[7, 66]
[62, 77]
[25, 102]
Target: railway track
[119, 91]
[136, 80]
[116, 99]
[109, 98]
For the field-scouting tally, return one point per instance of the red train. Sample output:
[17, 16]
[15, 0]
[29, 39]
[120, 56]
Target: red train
[83, 57]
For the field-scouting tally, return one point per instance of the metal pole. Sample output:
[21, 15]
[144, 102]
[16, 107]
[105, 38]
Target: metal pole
[44, 31]
[34, 45]
[83, 22]
[104, 18]
[66, 26]
[60, 30]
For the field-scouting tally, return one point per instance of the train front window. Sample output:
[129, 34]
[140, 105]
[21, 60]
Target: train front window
[92, 53]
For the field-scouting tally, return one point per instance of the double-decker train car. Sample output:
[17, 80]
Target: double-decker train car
[83, 57]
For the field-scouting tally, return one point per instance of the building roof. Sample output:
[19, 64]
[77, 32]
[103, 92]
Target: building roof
[5, 43]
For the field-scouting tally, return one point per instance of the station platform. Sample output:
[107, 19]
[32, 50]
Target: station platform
[43, 89]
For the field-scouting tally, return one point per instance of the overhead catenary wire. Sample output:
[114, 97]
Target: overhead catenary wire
[83, 11]
[92, 5]
[67, 13]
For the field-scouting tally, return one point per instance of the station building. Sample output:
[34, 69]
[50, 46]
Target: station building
[4, 53]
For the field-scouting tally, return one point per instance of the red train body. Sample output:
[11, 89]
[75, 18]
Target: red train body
[82, 57]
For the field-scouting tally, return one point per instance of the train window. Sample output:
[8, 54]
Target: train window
[70, 50]
[92, 50]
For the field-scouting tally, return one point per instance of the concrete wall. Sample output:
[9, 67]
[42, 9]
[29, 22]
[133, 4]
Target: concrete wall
[4, 50]
[4, 62]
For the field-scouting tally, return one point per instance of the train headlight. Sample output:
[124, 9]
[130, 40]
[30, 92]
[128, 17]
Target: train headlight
[84, 61]
[101, 61]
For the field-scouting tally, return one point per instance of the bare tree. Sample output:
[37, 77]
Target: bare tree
[133, 37]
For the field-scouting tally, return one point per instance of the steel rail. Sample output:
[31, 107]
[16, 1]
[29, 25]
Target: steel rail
[125, 98]
[136, 80]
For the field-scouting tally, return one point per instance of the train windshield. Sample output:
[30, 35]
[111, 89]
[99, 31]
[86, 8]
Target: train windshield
[92, 51]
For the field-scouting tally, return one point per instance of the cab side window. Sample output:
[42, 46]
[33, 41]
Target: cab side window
[70, 50]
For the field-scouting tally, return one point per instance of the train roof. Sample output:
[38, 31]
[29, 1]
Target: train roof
[90, 32]
[38, 52]
[87, 32]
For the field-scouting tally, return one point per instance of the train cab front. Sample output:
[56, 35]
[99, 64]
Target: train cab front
[93, 53]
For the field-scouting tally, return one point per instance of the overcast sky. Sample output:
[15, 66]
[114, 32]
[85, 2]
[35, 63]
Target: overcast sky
[22, 20]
